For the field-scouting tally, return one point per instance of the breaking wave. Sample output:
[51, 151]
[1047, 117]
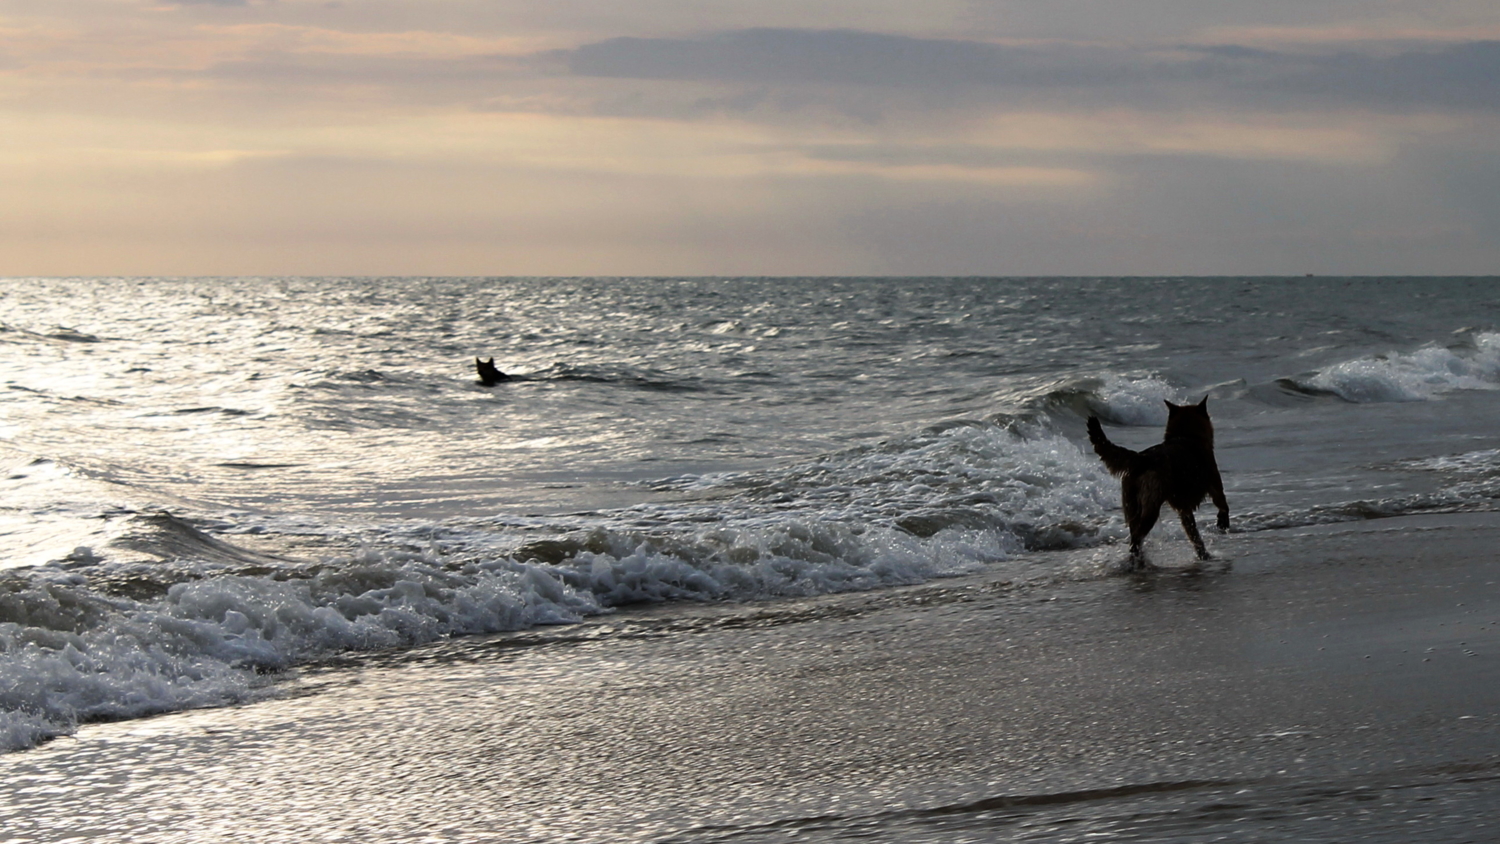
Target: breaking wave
[1410, 376]
[1136, 400]
[78, 646]
[1033, 488]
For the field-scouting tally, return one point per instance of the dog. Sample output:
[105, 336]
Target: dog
[1180, 470]
[489, 376]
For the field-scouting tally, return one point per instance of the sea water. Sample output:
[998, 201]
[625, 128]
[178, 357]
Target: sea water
[211, 483]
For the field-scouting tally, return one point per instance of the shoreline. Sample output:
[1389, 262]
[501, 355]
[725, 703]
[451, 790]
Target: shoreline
[1309, 670]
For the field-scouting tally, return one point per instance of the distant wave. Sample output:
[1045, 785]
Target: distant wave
[60, 334]
[1471, 483]
[1136, 400]
[1027, 486]
[338, 379]
[1420, 375]
[1409, 376]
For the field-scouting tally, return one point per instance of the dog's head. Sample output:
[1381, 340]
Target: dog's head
[1190, 421]
[488, 373]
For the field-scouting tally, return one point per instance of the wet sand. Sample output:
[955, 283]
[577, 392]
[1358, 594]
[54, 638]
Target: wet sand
[1337, 683]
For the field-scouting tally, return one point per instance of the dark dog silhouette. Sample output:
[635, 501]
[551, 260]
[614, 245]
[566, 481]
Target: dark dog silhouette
[489, 376]
[1180, 471]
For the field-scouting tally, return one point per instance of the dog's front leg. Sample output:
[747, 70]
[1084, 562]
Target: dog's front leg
[1216, 491]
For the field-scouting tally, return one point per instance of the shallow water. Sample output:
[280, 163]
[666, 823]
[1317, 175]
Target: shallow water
[213, 482]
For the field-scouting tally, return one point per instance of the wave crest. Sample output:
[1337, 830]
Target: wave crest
[1411, 376]
[1137, 400]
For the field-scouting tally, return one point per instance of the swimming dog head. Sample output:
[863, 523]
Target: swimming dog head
[489, 375]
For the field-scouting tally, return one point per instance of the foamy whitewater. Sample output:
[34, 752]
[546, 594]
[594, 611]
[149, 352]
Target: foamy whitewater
[212, 482]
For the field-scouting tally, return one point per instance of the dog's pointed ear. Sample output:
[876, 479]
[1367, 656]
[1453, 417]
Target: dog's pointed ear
[1204, 404]
[1169, 405]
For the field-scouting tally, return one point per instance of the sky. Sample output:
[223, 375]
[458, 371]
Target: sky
[749, 137]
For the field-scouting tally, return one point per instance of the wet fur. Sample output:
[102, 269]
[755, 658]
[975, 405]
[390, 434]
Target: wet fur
[1180, 471]
[489, 375]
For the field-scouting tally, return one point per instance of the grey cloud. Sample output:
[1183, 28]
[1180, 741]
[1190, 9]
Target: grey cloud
[1183, 216]
[1465, 75]
[1462, 75]
[846, 57]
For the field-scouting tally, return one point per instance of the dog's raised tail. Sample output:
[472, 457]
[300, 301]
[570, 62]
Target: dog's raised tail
[1116, 458]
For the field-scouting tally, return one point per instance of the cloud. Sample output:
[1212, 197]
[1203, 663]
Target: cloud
[1443, 75]
[1464, 75]
[845, 57]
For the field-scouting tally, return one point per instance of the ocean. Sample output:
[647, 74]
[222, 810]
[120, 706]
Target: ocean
[233, 503]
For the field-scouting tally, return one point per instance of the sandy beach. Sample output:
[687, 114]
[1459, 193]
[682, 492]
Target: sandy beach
[1330, 683]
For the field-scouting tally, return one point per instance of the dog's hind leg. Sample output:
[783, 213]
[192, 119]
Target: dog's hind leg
[1141, 512]
[1190, 527]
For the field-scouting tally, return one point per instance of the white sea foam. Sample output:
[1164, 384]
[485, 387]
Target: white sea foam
[201, 644]
[69, 654]
[783, 558]
[1414, 376]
